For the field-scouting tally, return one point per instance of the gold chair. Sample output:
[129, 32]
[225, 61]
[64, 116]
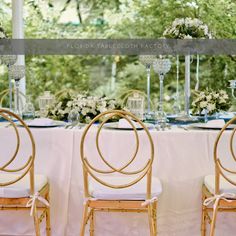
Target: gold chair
[118, 189]
[20, 188]
[219, 190]
[5, 93]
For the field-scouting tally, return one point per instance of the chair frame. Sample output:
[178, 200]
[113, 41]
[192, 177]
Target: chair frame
[222, 205]
[28, 168]
[93, 205]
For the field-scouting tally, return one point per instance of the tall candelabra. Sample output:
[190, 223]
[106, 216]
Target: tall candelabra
[233, 87]
[147, 61]
[161, 67]
[9, 60]
[17, 72]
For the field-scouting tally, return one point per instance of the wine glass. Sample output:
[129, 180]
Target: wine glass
[28, 112]
[74, 118]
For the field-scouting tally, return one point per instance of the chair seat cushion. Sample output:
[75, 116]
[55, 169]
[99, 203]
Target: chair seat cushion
[135, 192]
[22, 187]
[225, 186]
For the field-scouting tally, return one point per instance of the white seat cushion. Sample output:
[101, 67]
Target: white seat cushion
[225, 186]
[22, 187]
[135, 192]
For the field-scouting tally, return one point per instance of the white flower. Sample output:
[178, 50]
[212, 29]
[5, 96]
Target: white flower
[209, 97]
[203, 104]
[211, 107]
[188, 37]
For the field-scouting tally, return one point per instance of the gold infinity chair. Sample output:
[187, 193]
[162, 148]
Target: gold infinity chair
[20, 188]
[122, 189]
[219, 190]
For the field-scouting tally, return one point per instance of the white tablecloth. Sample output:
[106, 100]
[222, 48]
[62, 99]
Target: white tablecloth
[182, 158]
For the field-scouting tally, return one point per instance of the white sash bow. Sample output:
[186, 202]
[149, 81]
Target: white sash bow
[149, 201]
[216, 198]
[31, 203]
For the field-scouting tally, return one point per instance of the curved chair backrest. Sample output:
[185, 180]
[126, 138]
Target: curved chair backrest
[220, 169]
[28, 165]
[5, 93]
[95, 173]
[63, 92]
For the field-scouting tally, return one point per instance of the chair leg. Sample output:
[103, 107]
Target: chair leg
[92, 223]
[150, 213]
[213, 221]
[154, 218]
[48, 221]
[203, 223]
[83, 224]
[36, 222]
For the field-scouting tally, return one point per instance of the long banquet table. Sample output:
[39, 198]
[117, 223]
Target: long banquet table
[182, 158]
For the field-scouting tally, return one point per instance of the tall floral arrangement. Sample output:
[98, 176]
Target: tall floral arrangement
[187, 28]
[85, 105]
[212, 101]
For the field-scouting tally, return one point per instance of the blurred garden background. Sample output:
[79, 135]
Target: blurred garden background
[116, 19]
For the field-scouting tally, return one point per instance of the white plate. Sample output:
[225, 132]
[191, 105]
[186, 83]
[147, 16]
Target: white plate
[56, 123]
[207, 126]
[115, 125]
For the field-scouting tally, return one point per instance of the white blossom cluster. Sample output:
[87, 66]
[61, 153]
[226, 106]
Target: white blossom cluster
[211, 101]
[86, 106]
[187, 28]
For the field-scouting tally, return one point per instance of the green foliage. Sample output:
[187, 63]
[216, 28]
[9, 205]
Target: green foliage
[118, 19]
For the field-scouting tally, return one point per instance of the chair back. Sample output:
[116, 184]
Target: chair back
[5, 93]
[221, 167]
[90, 170]
[11, 165]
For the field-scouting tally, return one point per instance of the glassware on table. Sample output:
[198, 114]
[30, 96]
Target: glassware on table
[73, 119]
[161, 67]
[135, 105]
[147, 61]
[45, 101]
[28, 112]
[17, 72]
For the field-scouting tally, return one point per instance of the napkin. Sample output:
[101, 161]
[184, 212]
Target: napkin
[215, 123]
[123, 123]
[41, 122]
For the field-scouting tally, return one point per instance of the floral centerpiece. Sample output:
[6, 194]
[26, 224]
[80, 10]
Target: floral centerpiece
[187, 28]
[86, 106]
[212, 101]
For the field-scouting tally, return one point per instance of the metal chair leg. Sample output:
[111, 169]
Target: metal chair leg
[83, 224]
[36, 222]
[92, 223]
[150, 220]
[154, 218]
[48, 221]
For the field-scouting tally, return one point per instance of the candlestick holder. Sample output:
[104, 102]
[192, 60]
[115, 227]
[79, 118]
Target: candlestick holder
[17, 72]
[147, 61]
[161, 67]
[9, 60]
